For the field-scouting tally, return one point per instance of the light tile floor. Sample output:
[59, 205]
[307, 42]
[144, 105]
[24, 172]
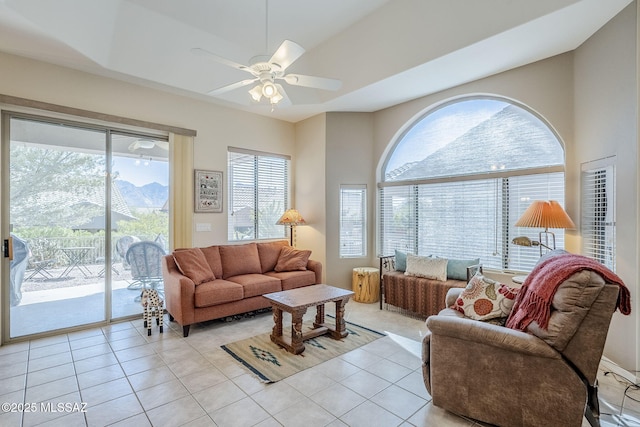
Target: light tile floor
[128, 379]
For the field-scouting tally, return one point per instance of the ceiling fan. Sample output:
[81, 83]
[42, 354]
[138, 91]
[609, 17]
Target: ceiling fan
[148, 144]
[267, 73]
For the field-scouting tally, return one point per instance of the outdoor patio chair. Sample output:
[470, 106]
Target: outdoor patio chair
[122, 246]
[40, 268]
[145, 259]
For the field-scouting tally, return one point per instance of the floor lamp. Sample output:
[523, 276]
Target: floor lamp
[291, 218]
[543, 214]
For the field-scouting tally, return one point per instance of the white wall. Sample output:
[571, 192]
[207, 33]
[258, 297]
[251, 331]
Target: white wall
[310, 187]
[606, 124]
[349, 160]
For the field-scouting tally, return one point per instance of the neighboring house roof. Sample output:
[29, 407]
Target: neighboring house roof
[119, 209]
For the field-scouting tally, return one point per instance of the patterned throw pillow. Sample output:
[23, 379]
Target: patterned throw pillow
[485, 299]
[428, 267]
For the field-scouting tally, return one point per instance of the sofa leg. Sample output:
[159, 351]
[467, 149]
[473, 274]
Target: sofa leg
[170, 318]
[185, 330]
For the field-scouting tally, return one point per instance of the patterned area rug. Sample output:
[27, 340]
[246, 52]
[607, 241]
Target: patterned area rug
[272, 363]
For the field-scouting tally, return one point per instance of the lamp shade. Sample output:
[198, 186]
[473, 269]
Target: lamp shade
[545, 214]
[291, 217]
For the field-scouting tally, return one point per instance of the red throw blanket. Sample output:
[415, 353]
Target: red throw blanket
[533, 302]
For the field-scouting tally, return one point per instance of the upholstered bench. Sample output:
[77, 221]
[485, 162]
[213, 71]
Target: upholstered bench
[420, 296]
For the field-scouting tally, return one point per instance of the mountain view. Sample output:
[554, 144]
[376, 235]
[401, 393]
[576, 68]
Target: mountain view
[152, 195]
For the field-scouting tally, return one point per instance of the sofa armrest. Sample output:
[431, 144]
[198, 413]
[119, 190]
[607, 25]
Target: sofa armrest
[495, 336]
[452, 296]
[316, 267]
[179, 292]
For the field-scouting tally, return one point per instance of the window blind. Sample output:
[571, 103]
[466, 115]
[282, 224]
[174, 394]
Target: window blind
[258, 194]
[466, 219]
[353, 221]
[523, 190]
[598, 211]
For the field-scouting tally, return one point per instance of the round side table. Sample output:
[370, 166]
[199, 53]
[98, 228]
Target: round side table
[366, 284]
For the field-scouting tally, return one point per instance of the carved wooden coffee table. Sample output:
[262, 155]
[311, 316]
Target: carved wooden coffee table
[296, 302]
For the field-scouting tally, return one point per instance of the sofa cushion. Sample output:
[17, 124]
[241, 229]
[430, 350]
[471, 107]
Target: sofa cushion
[427, 267]
[193, 264]
[485, 299]
[294, 279]
[216, 292]
[291, 259]
[256, 284]
[212, 254]
[240, 259]
[269, 253]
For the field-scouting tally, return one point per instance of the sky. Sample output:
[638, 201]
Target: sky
[144, 172]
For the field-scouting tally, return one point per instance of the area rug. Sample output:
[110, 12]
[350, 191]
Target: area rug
[272, 363]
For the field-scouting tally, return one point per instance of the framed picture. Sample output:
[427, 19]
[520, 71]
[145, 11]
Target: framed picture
[208, 191]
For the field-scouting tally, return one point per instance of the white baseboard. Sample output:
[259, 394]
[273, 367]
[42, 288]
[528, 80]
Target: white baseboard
[617, 369]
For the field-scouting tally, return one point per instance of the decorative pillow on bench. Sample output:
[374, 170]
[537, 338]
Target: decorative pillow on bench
[485, 299]
[427, 267]
[456, 268]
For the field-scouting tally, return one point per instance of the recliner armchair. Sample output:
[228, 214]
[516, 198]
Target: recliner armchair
[511, 378]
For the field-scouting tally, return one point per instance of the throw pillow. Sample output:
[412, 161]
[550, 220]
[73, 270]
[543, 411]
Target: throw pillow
[457, 268]
[401, 261]
[485, 299]
[428, 267]
[193, 264]
[291, 259]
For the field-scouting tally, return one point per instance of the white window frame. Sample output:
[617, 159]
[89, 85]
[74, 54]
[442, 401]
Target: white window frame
[264, 216]
[598, 213]
[353, 215]
[402, 207]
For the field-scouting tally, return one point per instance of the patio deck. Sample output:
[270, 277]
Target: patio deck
[56, 303]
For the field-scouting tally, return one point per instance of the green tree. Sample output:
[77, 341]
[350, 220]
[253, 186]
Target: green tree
[148, 224]
[55, 188]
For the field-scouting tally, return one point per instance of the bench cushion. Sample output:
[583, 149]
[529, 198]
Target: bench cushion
[424, 297]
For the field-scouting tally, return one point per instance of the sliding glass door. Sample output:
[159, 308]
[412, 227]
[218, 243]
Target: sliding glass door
[76, 204]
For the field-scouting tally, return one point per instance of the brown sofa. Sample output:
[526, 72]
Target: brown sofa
[241, 274]
[541, 377]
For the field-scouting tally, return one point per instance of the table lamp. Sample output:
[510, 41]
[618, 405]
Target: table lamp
[291, 218]
[543, 214]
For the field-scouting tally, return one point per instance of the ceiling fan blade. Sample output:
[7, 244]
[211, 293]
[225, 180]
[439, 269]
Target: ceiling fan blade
[285, 98]
[221, 60]
[287, 54]
[231, 87]
[312, 81]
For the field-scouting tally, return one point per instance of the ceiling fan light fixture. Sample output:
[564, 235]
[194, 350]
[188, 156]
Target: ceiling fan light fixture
[256, 93]
[276, 98]
[145, 143]
[269, 89]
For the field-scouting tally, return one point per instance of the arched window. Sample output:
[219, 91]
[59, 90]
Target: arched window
[461, 176]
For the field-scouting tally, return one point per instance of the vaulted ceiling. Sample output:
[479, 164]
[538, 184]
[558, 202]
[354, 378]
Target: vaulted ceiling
[383, 51]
